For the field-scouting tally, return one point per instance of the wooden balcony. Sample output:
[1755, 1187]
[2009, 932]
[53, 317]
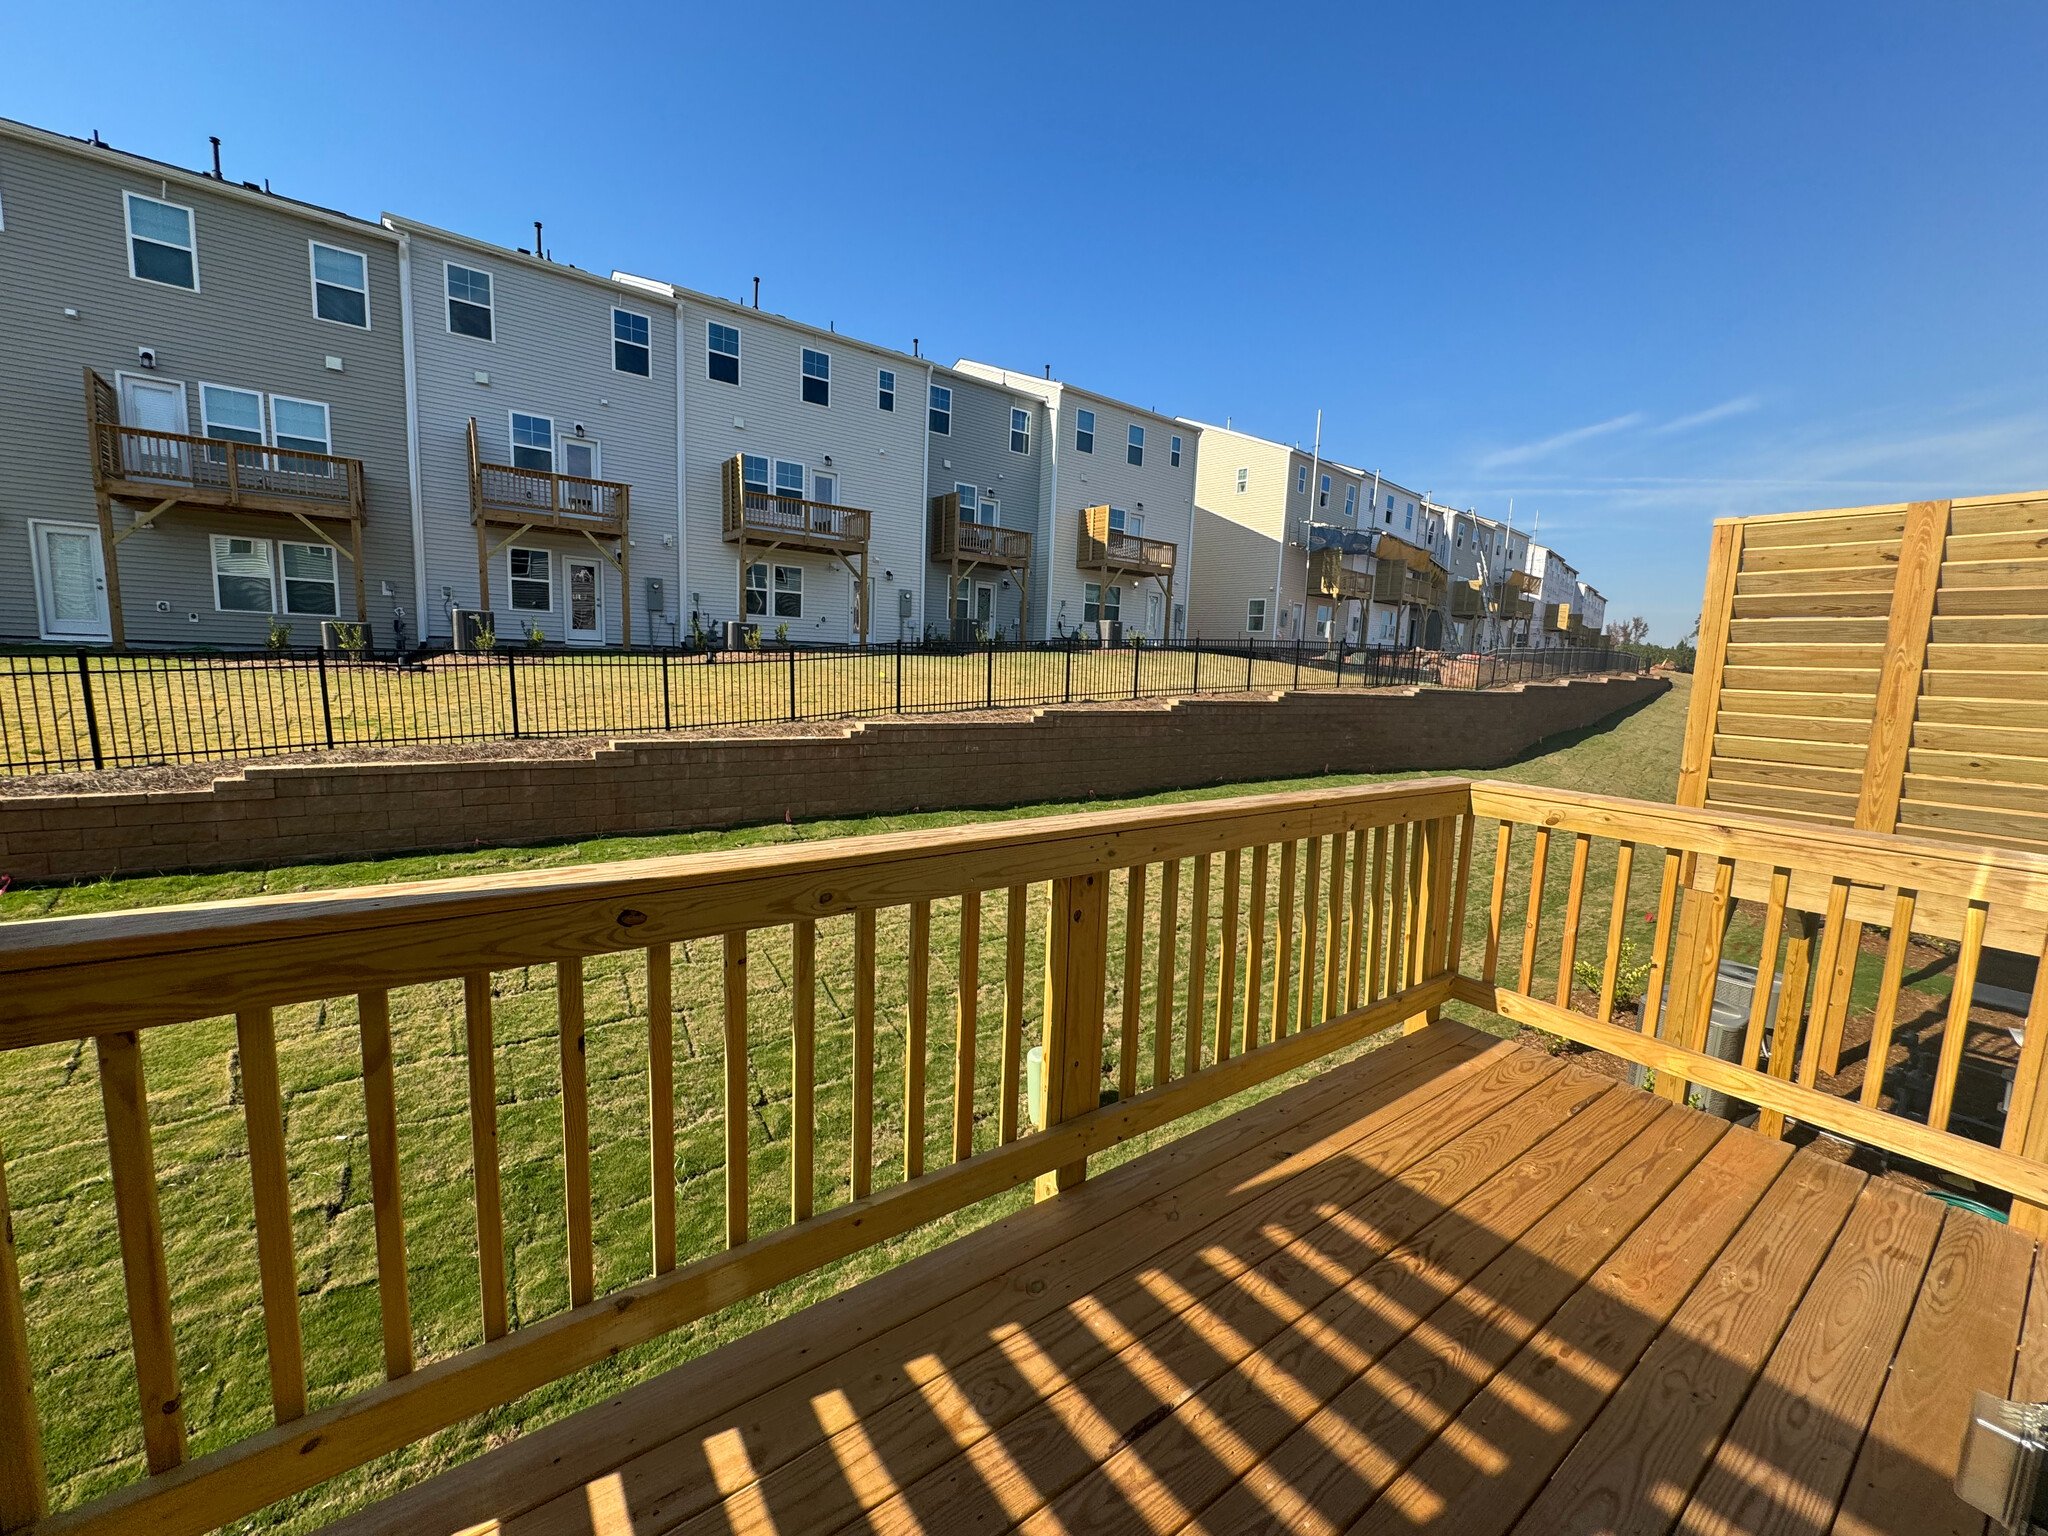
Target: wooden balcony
[1469, 600]
[1103, 549]
[758, 518]
[1329, 576]
[1395, 581]
[1452, 1281]
[510, 496]
[974, 543]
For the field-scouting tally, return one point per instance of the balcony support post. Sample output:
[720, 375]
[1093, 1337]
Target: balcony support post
[110, 557]
[483, 570]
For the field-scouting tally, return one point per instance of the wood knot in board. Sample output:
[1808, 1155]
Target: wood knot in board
[630, 918]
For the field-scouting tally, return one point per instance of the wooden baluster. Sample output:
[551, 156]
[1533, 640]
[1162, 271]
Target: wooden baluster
[1076, 977]
[1436, 957]
[2026, 1122]
[480, 1042]
[1766, 967]
[24, 1486]
[380, 1113]
[270, 1179]
[1431, 906]
[661, 1103]
[1198, 970]
[1574, 905]
[1397, 916]
[1617, 918]
[803, 1067]
[575, 1129]
[1825, 971]
[1134, 981]
[1375, 980]
[966, 1024]
[1839, 992]
[914, 1045]
[1419, 885]
[1952, 1035]
[1887, 1019]
[1653, 993]
[1012, 1065]
[1455, 947]
[1497, 901]
[1333, 942]
[1705, 972]
[736, 1106]
[1255, 949]
[1163, 982]
[1531, 925]
[1283, 932]
[1791, 1008]
[863, 1137]
[1354, 959]
[1226, 963]
[125, 1098]
[1311, 913]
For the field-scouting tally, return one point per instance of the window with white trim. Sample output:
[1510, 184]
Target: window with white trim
[469, 302]
[341, 286]
[1020, 431]
[1350, 501]
[300, 425]
[789, 592]
[311, 585]
[789, 480]
[1255, 616]
[885, 388]
[242, 581]
[1134, 446]
[1173, 452]
[817, 380]
[1243, 479]
[942, 410]
[968, 499]
[1300, 479]
[722, 352]
[1323, 492]
[533, 442]
[162, 247]
[231, 415]
[754, 472]
[756, 599]
[632, 343]
[533, 589]
[1084, 431]
[1101, 604]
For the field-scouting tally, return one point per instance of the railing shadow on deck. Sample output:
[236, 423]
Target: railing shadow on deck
[1360, 897]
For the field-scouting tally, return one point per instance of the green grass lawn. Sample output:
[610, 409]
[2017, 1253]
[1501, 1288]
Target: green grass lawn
[57, 1171]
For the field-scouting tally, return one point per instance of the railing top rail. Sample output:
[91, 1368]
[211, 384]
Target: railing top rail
[222, 444]
[548, 474]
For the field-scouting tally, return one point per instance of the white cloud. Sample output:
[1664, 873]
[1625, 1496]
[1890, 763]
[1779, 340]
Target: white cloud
[1739, 406]
[1525, 452]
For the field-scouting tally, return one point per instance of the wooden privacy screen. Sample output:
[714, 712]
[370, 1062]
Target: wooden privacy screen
[1884, 668]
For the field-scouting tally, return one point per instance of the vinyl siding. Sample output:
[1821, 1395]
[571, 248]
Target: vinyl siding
[977, 452]
[1232, 560]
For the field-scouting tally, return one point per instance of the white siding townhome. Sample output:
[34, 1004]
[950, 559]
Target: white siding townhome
[987, 445]
[1557, 590]
[1408, 574]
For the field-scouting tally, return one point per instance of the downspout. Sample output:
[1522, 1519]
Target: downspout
[924, 521]
[1315, 481]
[1373, 519]
[1052, 501]
[675, 628]
[412, 437]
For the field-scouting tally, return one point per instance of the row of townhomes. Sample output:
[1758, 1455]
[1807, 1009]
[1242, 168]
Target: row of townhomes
[237, 416]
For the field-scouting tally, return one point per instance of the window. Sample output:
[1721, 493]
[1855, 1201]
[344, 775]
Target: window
[817, 385]
[469, 302]
[989, 512]
[968, 498]
[232, 415]
[1255, 616]
[1409, 524]
[1300, 479]
[1323, 492]
[301, 426]
[789, 591]
[1100, 604]
[1350, 501]
[533, 442]
[942, 410]
[532, 581]
[631, 349]
[309, 580]
[341, 286]
[754, 472]
[1173, 452]
[161, 248]
[722, 353]
[1020, 431]
[885, 382]
[1084, 431]
[789, 480]
[757, 590]
[241, 575]
[1243, 478]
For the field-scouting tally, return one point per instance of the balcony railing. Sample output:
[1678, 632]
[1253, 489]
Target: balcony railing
[1329, 576]
[136, 462]
[980, 542]
[508, 493]
[1101, 547]
[788, 519]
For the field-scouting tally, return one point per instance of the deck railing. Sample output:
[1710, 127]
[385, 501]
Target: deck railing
[233, 472]
[506, 491]
[1187, 952]
[1100, 546]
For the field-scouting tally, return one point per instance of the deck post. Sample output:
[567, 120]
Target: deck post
[1076, 982]
[24, 1495]
[110, 567]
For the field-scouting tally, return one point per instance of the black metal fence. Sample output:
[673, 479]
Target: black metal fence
[62, 711]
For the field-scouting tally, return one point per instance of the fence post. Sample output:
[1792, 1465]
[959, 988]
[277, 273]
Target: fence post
[1067, 693]
[92, 717]
[899, 674]
[326, 711]
[1137, 654]
[664, 693]
[792, 682]
[1297, 659]
[991, 675]
[512, 686]
[1197, 688]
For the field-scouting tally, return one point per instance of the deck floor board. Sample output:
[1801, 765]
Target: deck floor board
[1455, 1285]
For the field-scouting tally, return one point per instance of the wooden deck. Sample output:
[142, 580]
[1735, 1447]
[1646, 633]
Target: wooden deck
[1456, 1285]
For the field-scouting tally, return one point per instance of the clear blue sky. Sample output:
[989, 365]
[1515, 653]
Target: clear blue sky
[1633, 266]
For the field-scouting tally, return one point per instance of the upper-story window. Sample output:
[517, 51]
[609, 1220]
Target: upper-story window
[341, 286]
[885, 386]
[162, 247]
[1323, 492]
[1244, 478]
[789, 480]
[469, 302]
[1020, 431]
[1084, 431]
[632, 349]
[533, 442]
[1300, 479]
[817, 383]
[1134, 447]
[722, 352]
[1350, 501]
[1408, 523]
[231, 415]
[300, 425]
[968, 499]
[942, 410]
[754, 472]
[1173, 452]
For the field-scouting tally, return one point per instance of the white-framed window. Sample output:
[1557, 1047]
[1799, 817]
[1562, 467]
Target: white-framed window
[163, 244]
[242, 581]
[533, 442]
[969, 500]
[885, 388]
[817, 380]
[1300, 479]
[1134, 445]
[721, 353]
[1084, 431]
[1100, 604]
[1020, 431]
[789, 592]
[230, 415]
[789, 480]
[754, 472]
[942, 410]
[1255, 616]
[533, 586]
[1322, 621]
[989, 512]
[341, 285]
[632, 343]
[1243, 479]
[756, 599]
[1409, 524]
[469, 302]
[1173, 451]
[1350, 500]
[1121, 521]
[311, 584]
[300, 425]
[1323, 492]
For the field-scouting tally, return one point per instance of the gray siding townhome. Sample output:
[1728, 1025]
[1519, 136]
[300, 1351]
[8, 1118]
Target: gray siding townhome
[1117, 518]
[804, 475]
[545, 402]
[987, 445]
[150, 317]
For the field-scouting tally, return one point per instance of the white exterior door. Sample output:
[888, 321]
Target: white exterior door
[586, 603]
[71, 583]
[1154, 607]
[155, 405]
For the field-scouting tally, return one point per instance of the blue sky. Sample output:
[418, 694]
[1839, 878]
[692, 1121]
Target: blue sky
[1633, 266]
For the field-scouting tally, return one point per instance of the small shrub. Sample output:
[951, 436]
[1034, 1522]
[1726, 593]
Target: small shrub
[782, 634]
[750, 637]
[1631, 974]
[486, 638]
[279, 636]
[354, 638]
[536, 637]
